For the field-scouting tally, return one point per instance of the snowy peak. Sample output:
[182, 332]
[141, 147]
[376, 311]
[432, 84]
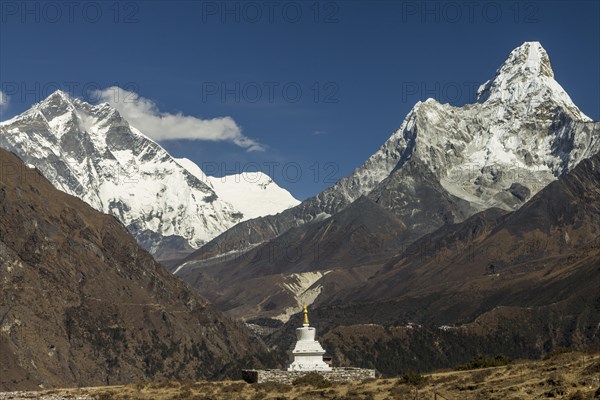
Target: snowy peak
[527, 62]
[58, 95]
[58, 99]
[92, 152]
[526, 79]
[254, 194]
[529, 59]
[63, 114]
[524, 133]
[56, 105]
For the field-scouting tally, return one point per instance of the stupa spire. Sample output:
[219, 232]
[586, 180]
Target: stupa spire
[305, 323]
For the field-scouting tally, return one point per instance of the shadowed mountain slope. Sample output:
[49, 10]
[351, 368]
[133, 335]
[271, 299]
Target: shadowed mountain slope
[82, 304]
[442, 166]
[521, 284]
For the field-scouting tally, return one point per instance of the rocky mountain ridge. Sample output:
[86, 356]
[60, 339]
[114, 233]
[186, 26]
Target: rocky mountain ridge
[444, 165]
[522, 284]
[92, 152]
[522, 133]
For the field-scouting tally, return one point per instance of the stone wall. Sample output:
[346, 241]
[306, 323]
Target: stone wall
[281, 376]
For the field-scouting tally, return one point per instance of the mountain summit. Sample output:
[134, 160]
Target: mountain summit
[92, 152]
[527, 77]
[522, 133]
[443, 165]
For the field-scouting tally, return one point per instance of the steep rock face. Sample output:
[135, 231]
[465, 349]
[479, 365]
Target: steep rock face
[444, 165]
[547, 251]
[82, 304]
[93, 153]
[524, 130]
[521, 283]
[557, 230]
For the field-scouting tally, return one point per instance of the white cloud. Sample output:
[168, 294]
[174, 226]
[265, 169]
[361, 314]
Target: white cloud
[145, 116]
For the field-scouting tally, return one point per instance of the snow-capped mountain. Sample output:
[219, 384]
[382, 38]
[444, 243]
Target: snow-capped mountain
[524, 129]
[442, 166]
[254, 194]
[522, 133]
[91, 152]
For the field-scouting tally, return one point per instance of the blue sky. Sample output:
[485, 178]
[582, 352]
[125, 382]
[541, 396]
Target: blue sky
[317, 86]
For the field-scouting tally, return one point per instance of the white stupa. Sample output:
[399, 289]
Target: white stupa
[307, 354]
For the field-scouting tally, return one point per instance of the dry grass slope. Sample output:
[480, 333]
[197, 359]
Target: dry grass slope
[571, 376]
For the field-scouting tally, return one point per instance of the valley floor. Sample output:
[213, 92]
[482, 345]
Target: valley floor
[573, 376]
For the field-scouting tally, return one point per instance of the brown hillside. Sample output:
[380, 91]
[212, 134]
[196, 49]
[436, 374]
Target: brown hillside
[82, 304]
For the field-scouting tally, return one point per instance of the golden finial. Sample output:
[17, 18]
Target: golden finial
[305, 315]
